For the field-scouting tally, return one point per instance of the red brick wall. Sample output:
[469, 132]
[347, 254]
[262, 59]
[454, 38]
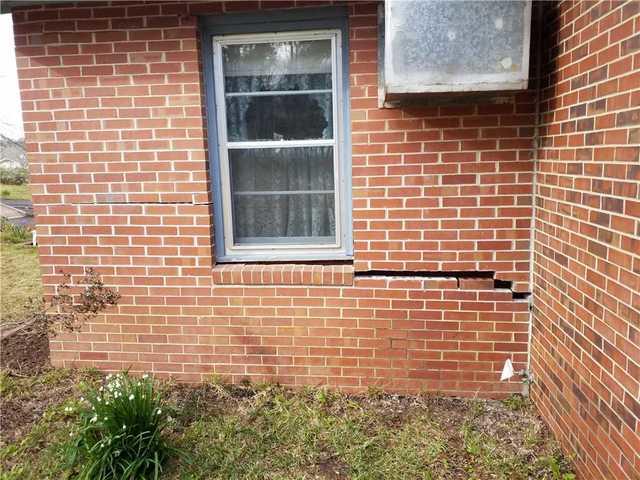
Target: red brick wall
[586, 322]
[113, 111]
[438, 188]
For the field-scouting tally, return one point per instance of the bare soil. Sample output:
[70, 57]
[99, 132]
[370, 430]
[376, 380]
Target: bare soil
[23, 350]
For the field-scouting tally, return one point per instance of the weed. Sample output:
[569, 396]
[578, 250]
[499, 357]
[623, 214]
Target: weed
[218, 380]
[323, 396]
[477, 408]
[516, 402]
[7, 385]
[531, 436]
[472, 440]
[558, 470]
[374, 392]
[11, 233]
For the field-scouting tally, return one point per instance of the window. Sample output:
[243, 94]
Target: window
[283, 183]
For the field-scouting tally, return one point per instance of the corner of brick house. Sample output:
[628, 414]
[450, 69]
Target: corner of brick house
[463, 215]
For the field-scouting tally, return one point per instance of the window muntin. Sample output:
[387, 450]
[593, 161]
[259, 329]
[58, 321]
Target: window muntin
[277, 115]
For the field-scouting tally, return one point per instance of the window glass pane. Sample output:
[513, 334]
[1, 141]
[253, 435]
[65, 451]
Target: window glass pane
[273, 91]
[283, 195]
[302, 218]
[291, 65]
[280, 117]
[281, 169]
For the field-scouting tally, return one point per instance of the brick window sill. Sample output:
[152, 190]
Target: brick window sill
[282, 274]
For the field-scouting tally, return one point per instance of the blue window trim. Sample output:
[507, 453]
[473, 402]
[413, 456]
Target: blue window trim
[273, 21]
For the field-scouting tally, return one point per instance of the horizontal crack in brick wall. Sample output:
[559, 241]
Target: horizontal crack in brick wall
[113, 106]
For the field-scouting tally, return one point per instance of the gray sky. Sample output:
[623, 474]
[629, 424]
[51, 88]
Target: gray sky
[10, 112]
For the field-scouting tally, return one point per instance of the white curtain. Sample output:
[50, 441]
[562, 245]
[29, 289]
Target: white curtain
[276, 216]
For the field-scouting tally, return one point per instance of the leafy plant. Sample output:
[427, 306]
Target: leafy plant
[516, 402]
[121, 435]
[13, 233]
[557, 470]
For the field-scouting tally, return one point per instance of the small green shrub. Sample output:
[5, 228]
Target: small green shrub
[121, 435]
[14, 176]
[516, 402]
[558, 469]
[11, 233]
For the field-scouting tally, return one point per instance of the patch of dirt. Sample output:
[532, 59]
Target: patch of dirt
[332, 469]
[23, 350]
[193, 402]
[24, 400]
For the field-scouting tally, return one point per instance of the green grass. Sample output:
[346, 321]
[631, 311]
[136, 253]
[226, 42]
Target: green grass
[298, 436]
[268, 432]
[19, 280]
[38, 452]
[15, 192]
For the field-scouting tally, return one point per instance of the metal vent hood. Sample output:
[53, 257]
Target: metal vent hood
[438, 46]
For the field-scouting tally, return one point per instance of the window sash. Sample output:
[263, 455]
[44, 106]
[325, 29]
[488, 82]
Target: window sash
[288, 248]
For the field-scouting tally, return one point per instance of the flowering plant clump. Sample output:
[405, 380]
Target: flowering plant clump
[120, 435]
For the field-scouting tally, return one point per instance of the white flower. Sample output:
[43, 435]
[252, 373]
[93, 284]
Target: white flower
[132, 396]
[105, 419]
[82, 399]
[158, 412]
[145, 376]
[71, 434]
[101, 389]
[109, 376]
[94, 419]
[124, 427]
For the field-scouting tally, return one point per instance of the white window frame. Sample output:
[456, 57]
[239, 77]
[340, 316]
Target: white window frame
[337, 250]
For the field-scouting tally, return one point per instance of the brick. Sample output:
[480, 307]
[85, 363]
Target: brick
[578, 217]
[114, 125]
